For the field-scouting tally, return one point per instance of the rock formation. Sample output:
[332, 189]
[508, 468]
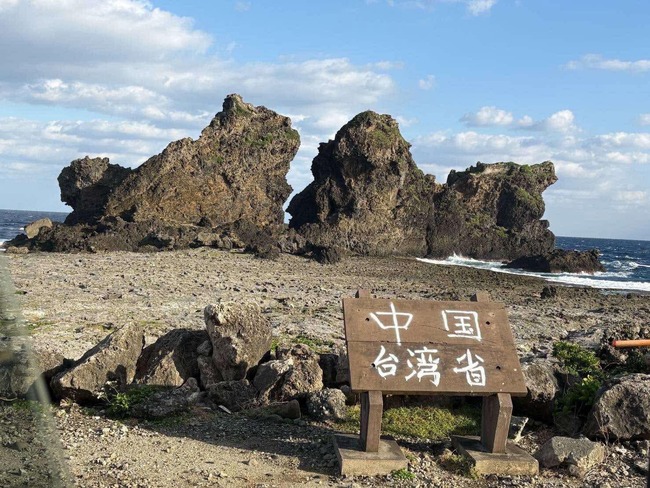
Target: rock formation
[369, 197]
[560, 261]
[493, 211]
[233, 175]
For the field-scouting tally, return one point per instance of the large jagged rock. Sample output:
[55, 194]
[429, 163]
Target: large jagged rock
[493, 211]
[112, 360]
[86, 186]
[171, 360]
[240, 337]
[368, 196]
[231, 179]
[621, 409]
[560, 261]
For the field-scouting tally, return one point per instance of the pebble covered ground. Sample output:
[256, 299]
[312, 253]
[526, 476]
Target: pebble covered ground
[71, 301]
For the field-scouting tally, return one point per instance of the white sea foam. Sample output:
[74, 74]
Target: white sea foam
[596, 280]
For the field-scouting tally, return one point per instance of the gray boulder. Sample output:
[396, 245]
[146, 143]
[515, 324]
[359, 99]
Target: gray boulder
[113, 359]
[543, 388]
[34, 228]
[240, 337]
[327, 404]
[235, 395]
[208, 373]
[171, 360]
[582, 454]
[171, 402]
[621, 409]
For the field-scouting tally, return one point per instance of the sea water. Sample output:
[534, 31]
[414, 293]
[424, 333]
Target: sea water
[627, 262]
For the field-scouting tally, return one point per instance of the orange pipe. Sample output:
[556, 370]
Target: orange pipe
[632, 343]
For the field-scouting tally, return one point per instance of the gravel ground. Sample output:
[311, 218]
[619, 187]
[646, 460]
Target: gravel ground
[71, 301]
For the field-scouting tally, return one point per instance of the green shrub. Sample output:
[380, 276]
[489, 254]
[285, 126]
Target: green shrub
[120, 404]
[577, 360]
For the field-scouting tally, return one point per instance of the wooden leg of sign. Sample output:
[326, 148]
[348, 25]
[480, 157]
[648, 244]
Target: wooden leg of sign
[372, 406]
[495, 422]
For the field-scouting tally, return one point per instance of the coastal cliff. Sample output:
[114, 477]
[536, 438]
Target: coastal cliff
[369, 197]
[227, 189]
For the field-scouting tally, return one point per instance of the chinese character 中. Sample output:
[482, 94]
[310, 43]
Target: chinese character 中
[463, 324]
[425, 365]
[386, 365]
[474, 372]
[395, 325]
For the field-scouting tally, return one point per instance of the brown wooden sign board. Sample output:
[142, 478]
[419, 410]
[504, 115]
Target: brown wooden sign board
[431, 347]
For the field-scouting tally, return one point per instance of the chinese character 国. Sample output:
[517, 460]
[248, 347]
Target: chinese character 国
[462, 324]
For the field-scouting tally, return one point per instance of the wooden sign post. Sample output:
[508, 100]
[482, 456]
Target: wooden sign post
[433, 348]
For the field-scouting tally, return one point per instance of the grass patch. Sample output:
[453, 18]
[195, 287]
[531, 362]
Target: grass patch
[403, 474]
[432, 423]
[317, 345]
[120, 404]
[459, 465]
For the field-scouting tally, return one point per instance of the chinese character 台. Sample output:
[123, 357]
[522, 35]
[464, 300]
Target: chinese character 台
[385, 364]
[474, 372]
[425, 365]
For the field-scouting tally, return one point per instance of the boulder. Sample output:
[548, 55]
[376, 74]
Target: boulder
[170, 402]
[542, 390]
[621, 409]
[208, 372]
[235, 395]
[113, 359]
[240, 337]
[327, 404]
[32, 230]
[285, 410]
[171, 360]
[560, 261]
[581, 453]
[294, 375]
[367, 196]
[17, 370]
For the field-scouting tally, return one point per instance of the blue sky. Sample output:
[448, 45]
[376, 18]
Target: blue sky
[468, 80]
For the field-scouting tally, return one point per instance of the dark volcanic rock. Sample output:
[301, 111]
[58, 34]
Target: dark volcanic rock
[235, 170]
[560, 261]
[231, 180]
[167, 403]
[493, 211]
[86, 186]
[367, 196]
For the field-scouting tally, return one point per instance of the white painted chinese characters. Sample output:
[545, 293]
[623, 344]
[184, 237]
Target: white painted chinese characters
[463, 323]
[424, 362]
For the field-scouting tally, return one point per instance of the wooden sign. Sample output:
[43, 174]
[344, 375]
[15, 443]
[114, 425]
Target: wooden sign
[429, 347]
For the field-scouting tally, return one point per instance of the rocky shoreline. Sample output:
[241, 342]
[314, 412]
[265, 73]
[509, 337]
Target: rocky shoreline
[72, 301]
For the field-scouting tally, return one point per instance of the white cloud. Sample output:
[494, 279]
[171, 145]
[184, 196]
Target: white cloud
[478, 7]
[596, 61]
[632, 198]
[242, 6]
[562, 121]
[488, 116]
[427, 83]
[644, 119]
[474, 7]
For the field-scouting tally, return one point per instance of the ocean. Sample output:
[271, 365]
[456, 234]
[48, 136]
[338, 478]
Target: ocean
[627, 262]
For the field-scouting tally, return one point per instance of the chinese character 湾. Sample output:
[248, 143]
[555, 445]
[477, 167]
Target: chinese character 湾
[393, 321]
[385, 364]
[474, 372]
[461, 324]
[425, 365]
